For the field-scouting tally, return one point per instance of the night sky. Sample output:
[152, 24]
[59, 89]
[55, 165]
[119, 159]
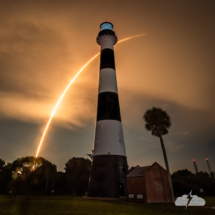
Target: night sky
[43, 44]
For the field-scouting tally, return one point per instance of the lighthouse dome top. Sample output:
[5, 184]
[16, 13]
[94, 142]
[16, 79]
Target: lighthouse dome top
[106, 29]
[106, 26]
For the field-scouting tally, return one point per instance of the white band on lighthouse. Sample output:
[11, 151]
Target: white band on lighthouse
[107, 80]
[109, 138]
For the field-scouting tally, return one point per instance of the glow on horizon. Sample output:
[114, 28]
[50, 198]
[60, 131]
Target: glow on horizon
[56, 106]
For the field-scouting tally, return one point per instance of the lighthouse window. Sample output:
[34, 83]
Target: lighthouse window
[106, 26]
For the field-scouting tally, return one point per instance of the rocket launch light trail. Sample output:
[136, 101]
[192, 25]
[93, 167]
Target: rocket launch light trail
[128, 38]
[53, 112]
[44, 133]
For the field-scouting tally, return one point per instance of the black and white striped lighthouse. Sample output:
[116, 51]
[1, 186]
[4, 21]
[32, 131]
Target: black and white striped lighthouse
[109, 162]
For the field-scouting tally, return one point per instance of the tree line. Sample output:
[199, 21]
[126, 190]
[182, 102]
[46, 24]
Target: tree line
[184, 181]
[38, 176]
[30, 175]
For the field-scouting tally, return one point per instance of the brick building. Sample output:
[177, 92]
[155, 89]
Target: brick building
[150, 183]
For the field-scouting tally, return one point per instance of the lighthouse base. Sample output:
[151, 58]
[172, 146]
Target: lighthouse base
[108, 176]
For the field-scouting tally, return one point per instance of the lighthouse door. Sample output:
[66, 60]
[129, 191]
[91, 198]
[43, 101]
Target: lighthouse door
[121, 189]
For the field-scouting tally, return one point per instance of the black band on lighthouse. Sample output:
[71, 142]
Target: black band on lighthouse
[107, 59]
[108, 106]
[108, 176]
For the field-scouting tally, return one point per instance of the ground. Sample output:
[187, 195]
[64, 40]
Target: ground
[54, 205]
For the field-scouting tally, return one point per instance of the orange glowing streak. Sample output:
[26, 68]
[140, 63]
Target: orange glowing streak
[44, 133]
[128, 38]
[53, 112]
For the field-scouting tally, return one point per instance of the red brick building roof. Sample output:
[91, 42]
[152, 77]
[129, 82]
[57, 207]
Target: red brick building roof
[150, 182]
[138, 171]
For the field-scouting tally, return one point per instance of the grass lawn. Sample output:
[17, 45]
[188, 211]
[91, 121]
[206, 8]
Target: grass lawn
[54, 205]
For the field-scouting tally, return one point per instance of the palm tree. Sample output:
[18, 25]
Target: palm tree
[158, 121]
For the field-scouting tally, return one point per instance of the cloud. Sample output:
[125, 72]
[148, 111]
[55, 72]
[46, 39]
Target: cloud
[40, 54]
[184, 133]
[195, 201]
[146, 139]
[182, 201]
[125, 131]
[173, 146]
[37, 62]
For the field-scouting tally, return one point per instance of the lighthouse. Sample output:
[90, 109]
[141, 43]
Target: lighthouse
[109, 162]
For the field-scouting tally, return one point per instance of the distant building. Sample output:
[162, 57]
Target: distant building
[149, 183]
